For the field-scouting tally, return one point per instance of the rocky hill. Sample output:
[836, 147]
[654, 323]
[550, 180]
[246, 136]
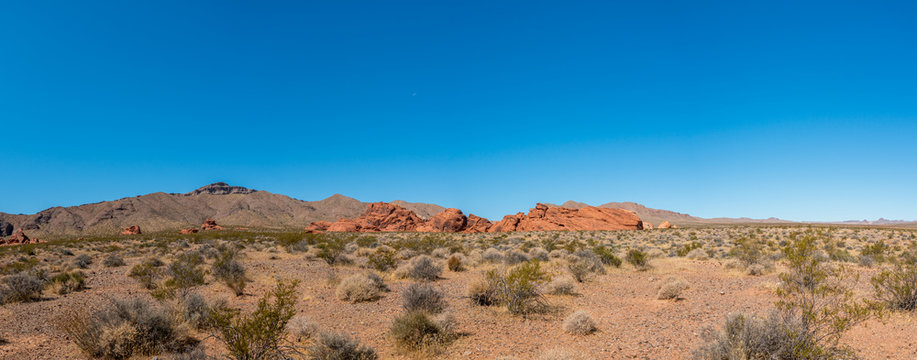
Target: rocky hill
[230, 205]
[657, 216]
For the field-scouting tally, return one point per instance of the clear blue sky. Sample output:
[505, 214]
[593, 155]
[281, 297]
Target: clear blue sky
[804, 111]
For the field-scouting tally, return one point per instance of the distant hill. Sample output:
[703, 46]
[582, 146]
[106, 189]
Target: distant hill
[656, 216]
[230, 205]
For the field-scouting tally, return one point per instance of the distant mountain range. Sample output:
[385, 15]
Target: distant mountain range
[240, 206]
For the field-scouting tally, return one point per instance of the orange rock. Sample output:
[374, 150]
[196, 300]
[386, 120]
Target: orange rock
[380, 216]
[318, 226]
[187, 231]
[589, 218]
[477, 224]
[131, 230]
[647, 225]
[210, 224]
[20, 238]
[664, 225]
[450, 220]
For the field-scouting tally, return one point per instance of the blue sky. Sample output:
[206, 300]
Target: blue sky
[804, 111]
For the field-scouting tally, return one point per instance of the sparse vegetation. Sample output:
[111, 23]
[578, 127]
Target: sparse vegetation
[638, 258]
[897, 287]
[579, 323]
[423, 297]
[260, 334]
[671, 288]
[415, 331]
[230, 271]
[361, 287]
[335, 346]
[21, 287]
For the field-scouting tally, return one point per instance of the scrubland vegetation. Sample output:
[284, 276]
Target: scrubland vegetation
[786, 292]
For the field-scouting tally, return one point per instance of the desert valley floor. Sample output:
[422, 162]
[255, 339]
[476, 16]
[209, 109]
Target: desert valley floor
[727, 269]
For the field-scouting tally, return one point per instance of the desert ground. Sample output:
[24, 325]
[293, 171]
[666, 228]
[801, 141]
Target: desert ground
[355, 285]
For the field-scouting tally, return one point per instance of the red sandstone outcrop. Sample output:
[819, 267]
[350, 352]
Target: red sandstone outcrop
[388, 217]
[19, 238]
[450, 220]
[210, 224]
[477, 224]
[647, 225]
[379, 216]
[187, 231]
[131, 230]
[666, 225]
[547, 218]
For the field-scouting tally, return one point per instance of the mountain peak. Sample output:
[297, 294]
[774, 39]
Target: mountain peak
[220, 188]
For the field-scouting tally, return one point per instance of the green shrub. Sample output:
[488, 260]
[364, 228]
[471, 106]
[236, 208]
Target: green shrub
[230, 271]
[516, 288]
[259, 335]
[607, 256]
[183, 274]
[877, 251]
[897, 287]
[334, 346]
[817, 294]
[423, 297]
[415, 331]
[67, 282]
[746, 337]
[638, 258]
[21, 287]
[684, 250]
[383, 258]
[113, 261]
[124, 329]
[146, 273]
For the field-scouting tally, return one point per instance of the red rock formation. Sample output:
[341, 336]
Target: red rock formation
[318, 226]
[19, 238]
[388, 217]
[187, 231]
[380, 216]
[647, 225]
[450, 220]
[547, 218]
[664, 225]
[131, 230]
[210, 224]
[477, 224]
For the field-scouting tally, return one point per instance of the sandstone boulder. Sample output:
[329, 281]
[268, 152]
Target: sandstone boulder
[380, 216]
[131, 230]
[551, 218]
[318, 226]
[476, 224]
[664, 225]
[647, 225]
[210, 224]
[450, 220]
[20, 238]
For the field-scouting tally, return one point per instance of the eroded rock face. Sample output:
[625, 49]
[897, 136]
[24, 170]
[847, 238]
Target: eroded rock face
[19, 238]
[450, 220]
[388, 217]
[187, 231]
[318, 226]
[131, 230]
[210, 224]
[220, 188]
[477, 224]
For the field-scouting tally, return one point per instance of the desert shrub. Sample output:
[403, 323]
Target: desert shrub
[687, 248]
[194, 310]
[561, 286]
[607, 256]
[745, 337]
[331, 250]
[21, 287]
[259, 335]
[697, 254]
[638, 258]
[440, 253]
[877, 251]
[82, 261]
[579, 323]
[455, 263]
[383, 258]
[361, 287]
[423, 297]
[113, 261]
[760, 268]
[513, 257]
[146, 273]
[424, 267]
[335, 346]
[584, 263]
[67, 282]
[229, 270]
[415, 331]
[196, 354]
[671, 288]
[125, 328]
[897, 287]
[482, 292]
[302, 328]
[183, 274]
[748, 250]
[817, 293]
[492, 255]
[517, 288]
[538, 253]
